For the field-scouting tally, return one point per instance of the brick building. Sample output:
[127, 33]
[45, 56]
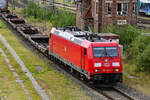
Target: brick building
[99, 13]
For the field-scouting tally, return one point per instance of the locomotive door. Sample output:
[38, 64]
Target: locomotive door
[84, 53]
[51, 43]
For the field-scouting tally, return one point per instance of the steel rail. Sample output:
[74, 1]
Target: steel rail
[123, 93]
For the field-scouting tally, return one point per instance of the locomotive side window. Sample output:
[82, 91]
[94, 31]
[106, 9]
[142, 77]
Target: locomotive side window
[112, 51]
[99, 51]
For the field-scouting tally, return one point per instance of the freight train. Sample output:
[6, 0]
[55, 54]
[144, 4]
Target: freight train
[95, 58]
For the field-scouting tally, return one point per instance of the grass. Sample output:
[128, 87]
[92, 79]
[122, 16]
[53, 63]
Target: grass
[28, 85]
[56, 85]
[42, 26]
[58, 18]
[141, 83]
[62, 86]
[146, 31]
[9, 89]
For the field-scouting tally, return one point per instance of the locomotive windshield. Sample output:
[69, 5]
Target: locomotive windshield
[99, 51]
[105, 51]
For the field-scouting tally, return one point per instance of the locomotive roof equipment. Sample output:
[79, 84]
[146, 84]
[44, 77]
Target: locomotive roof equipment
[75, 32]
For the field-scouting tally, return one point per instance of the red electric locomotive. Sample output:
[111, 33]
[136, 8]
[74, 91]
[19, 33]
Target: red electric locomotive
[3, 4]
[95, 58]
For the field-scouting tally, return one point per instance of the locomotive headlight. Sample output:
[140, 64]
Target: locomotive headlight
[97, 64]
[116, 70]
[97, 70]
[115, 64]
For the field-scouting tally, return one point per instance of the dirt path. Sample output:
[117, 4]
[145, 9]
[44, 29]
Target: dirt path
[37, 87]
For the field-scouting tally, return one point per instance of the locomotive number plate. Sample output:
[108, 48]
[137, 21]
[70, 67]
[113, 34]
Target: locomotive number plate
[106, 64]
[107, 70]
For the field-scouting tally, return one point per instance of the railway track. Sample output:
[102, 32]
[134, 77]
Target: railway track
[46, 4]
[143, 23]
[41, 42]
[112, 93]
[126, 96]
[66, 6]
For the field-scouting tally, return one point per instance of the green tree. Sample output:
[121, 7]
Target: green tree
[127, 35]
[143, 60]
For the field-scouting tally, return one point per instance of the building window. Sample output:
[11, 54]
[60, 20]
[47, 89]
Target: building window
[108, 8]
[133, 8]
[122, 9]
[96, 7]
[93, 11]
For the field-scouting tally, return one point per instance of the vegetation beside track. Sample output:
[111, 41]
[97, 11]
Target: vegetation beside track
[58, 18]
[136, 60]
[28, 85]
[56, 85]
[9, 88]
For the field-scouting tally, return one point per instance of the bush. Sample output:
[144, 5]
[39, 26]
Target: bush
[63, 19]
[110, 29]
[137, 46]
[143, 60]
[60, 19]
[31, 10]
[127, 35]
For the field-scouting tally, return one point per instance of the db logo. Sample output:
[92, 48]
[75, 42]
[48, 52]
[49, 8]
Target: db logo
[106, 64]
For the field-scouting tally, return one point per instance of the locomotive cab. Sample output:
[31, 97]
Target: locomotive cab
[106, 59]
